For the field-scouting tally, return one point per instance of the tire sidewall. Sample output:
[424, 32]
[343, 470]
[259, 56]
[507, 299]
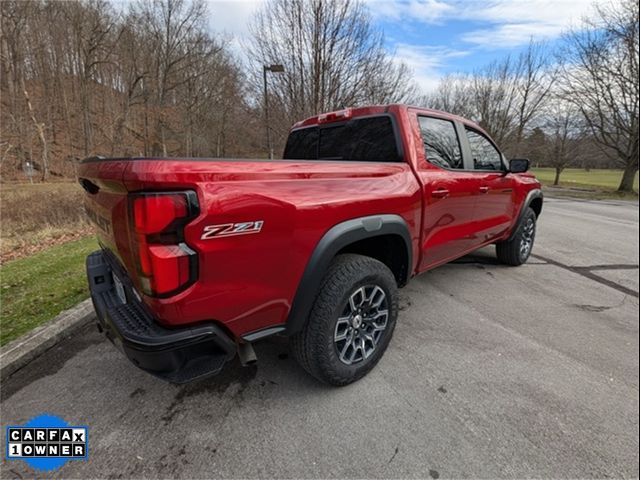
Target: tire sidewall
[359, 369]
[529, 215]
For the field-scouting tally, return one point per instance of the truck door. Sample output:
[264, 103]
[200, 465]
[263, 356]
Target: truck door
[449, 192]
[494, 206]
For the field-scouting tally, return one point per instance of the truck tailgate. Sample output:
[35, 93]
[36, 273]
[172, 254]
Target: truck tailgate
[107, 206]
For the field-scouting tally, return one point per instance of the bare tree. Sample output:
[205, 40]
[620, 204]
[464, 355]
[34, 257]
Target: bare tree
[493, 93]
[332, 54]
[505, 97]
[128, 79]
[535, 78]
[172, 29]
[91, 24]
[13, 20]
[601, 79]
[563, 145]
[40, 128]
[453, 95]
[149, 77]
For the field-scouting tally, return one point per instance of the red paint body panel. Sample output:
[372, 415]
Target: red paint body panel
[248, 282]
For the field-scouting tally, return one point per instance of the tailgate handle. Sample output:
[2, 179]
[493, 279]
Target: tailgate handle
[89, 186]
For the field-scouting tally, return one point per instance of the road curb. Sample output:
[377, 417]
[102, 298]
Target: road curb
[21, 351]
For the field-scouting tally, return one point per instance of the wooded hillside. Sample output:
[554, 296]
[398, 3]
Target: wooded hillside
[150, 77]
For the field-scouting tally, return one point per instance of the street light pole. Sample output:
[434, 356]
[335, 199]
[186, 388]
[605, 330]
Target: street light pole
[265, 69]
[266, 112]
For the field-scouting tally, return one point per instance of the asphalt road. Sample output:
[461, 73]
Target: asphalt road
[493, 372]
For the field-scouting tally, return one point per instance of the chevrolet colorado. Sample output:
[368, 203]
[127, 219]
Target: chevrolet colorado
[202, 257]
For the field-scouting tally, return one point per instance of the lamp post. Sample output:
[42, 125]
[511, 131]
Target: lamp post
[274, 69]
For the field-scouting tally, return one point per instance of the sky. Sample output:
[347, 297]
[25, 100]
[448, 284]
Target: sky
[437, 37]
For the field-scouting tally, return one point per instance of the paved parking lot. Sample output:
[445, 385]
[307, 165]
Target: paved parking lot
[492, 372]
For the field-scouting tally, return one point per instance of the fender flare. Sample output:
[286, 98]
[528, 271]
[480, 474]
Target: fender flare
[531, 196]
[330, 244]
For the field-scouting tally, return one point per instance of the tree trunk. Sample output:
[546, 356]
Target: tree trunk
[43, 139]
[86, 116]
[629, 175]
[146, 128]
[556, 181]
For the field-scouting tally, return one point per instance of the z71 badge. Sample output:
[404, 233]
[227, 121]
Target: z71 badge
[229, 229]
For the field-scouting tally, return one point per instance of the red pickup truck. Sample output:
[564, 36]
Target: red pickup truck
[202, 257]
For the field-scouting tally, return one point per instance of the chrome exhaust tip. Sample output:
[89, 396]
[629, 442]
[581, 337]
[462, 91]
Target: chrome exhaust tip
[246, 354]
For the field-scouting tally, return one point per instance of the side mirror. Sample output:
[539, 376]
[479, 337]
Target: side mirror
[519, 165]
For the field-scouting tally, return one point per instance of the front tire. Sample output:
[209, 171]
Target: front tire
[516, 251]
[351, 322]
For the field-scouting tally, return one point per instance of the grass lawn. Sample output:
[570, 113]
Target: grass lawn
[578, 177]
[37, 288]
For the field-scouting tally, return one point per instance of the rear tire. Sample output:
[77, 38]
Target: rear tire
[351, 322]
[516, 251]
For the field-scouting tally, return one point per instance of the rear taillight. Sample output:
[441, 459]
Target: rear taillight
[166, 265]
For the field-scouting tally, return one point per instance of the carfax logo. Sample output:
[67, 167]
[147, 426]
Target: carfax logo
[47, 442]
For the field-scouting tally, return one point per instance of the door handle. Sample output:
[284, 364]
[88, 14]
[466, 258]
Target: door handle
[484, 189]
[440, 193]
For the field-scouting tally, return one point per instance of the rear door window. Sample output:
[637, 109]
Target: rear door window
[441, 144]
[369, 139]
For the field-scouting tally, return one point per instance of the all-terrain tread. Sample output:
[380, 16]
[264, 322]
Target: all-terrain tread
[312, 346]
[508, 252]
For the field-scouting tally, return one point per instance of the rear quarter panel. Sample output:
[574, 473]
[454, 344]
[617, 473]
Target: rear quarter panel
[248, 282]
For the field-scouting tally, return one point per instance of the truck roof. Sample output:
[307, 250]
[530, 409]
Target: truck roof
[352, 112]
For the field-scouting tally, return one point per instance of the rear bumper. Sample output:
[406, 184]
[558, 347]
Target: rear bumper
[175, 355]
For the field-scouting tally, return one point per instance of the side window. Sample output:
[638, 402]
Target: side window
[484, 154]
[441, 145]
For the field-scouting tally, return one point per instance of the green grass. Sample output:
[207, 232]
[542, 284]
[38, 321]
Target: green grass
[37, 288]
[599, 179]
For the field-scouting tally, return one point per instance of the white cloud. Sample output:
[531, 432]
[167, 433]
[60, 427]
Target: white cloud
[515, 22]
[508, 23]
[432, 11]
[552, 12]
[427, 11]
[231, 18]
[426, 62]
[510, 35]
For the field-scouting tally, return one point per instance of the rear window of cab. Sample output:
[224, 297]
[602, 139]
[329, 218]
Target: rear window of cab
[367, 139]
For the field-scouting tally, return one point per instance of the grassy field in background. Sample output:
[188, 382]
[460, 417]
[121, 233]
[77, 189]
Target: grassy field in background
[39, 215]
[577, 177]
[35, 289]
